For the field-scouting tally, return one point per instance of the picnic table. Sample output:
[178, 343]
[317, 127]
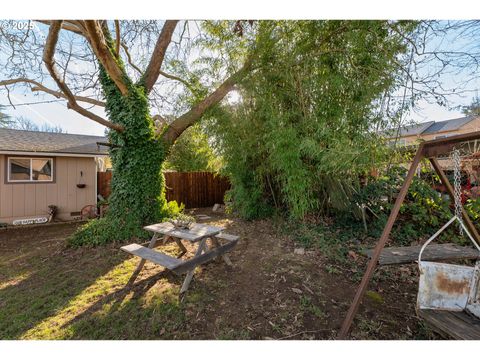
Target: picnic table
[197, 233]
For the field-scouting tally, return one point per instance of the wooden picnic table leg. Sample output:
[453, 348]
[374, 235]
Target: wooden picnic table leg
[140, 265]
[224, 256]
[189, 276]
[180, 245]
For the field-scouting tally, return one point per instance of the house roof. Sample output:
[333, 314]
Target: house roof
[409, 130]
[431, 127]
[448, 125]
[46, 142]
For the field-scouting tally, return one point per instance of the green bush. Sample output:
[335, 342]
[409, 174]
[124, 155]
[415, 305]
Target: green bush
[473, 209]
[422, 213]
[102, 231]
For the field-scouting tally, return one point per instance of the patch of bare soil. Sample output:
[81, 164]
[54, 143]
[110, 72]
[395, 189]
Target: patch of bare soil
[269, 293]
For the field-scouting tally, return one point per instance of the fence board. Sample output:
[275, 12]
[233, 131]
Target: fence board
[103, 183]
[194, 189]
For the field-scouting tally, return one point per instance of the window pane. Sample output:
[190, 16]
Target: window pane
[20, 169]
[42, 169]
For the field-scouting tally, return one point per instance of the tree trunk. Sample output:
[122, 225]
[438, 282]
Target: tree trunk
[138, 188]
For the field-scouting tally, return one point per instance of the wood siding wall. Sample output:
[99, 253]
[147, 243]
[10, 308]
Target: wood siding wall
[20, 201]
[194, 189]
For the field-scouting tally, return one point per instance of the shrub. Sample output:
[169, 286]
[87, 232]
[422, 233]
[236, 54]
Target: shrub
[423, 211]
[102, 231]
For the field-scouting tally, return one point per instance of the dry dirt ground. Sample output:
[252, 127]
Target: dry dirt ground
[48, 290]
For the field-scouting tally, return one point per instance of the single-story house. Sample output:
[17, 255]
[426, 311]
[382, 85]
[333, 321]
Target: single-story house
[430, 130]
[410, 136]
[38, 169]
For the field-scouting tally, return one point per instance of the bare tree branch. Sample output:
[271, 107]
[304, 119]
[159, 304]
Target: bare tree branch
[153, 69]
[73, 26]
[40, 87]
[164, 74]
[117, 37]
[100, 48]
[48, 53]
[183, 122]
[129, 58]
[173, 77]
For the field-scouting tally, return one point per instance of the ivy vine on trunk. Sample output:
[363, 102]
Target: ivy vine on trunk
[138, 152]
[137, 155]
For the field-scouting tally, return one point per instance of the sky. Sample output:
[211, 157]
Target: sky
[56, 113]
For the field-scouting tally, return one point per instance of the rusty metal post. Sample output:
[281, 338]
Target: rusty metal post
[380, 245]
[466, 218]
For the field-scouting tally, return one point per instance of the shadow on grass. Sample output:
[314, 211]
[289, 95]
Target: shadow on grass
[136, 312]
[54, 275]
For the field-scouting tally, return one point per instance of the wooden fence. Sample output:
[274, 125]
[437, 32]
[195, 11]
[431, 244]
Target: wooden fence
[103, 183]
[194, 189]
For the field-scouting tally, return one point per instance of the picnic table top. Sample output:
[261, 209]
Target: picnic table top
[194, 234]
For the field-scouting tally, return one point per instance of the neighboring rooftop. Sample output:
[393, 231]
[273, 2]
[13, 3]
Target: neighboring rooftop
[431, 127]
[448, 125]
[47, 142]
[409, 130]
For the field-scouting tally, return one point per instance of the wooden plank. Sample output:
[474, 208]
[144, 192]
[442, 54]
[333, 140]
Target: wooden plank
[18, 195]
[190, 270]
[201, 259]
[372, 264]
[51, 190]
[41, 208]
[30, 200]
[228, 237]
[433, 252]
[151, 255]
[224, 256]
[83, 196]
[6, 193]
[62, 185]
[196, 233]
[195, 189]
[455, 324]
[72, 182]
[104, 179]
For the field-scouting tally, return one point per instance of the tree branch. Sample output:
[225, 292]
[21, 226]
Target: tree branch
[183, 122]
[129, 58]
[99, 45]
[117, 37]
[72, 26]
[40, 87]
[153, 69]
[48, 53]
[164, 74]
[173, 77]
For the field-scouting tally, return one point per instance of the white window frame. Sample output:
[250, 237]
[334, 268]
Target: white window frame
[9, 180]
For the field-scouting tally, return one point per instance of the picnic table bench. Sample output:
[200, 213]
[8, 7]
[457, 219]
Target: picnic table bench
[197, 233]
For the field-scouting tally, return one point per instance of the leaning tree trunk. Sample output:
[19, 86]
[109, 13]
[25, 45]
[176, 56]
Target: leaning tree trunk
[138, 190]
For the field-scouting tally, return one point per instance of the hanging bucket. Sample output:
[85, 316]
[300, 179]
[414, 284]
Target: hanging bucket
[447, 286]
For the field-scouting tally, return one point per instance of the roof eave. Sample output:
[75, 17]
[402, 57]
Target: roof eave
[50, 153]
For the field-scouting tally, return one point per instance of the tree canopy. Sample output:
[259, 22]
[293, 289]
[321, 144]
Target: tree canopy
[296, 134]
[304, 128]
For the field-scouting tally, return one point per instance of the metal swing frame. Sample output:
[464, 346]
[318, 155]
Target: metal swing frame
[429, 150]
